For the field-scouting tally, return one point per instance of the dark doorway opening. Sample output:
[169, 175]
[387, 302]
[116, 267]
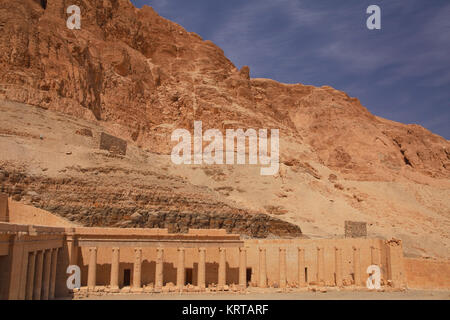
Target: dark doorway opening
[248, 276]
[126, 277]
[306, 275]
[44, 4]
[188, 278]
[4, 277]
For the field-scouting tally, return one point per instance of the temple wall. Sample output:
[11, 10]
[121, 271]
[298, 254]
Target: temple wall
[29, 258]
[23, 214]
[371, 251]
[310, 247]
[4, 212]
[104, 256]
[427, 274]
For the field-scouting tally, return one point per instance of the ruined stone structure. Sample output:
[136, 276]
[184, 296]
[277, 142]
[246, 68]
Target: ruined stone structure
[354, 229]
[113, 144]
[34, 260]
[4, 212]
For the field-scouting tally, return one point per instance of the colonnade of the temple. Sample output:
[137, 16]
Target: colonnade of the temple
[159, 269]
[261, 277]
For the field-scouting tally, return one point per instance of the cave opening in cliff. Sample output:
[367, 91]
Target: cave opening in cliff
[44, 4]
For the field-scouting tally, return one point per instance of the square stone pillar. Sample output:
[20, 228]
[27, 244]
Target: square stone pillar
[72, 249]
[4, 212]
[115, 263]
[375, 256]
[338, 266]
[262, 268]
[222, 268]
[282, 266]
[395, 263]
[159, 272]
[46, 275]
[201, 282]
[320, 266]
[180, 269]
[301, 267]
[18, 261]
[92, 269]
[53, 273]
[38, 275]
[30, 275]
[137, 270]
[243, 267]
[357, 265]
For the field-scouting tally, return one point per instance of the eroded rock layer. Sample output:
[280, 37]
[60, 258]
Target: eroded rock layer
[167, 204]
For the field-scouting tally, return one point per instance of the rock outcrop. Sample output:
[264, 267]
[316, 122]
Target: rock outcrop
[146, 75]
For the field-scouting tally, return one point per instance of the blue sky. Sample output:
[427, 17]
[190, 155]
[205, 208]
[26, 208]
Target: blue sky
[401, 72]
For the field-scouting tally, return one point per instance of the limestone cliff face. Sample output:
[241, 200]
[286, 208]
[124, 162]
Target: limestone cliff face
[146, 75]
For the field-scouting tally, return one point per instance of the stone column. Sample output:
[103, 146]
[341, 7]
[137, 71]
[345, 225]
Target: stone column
[338, 266]
[282, 266]
[180, 269]
[53, 273]
[243, 267]
[38, 275]
[262, 268]
[374, 256]
[201, 282]
[92, 269]
[357, 266]
[301, 267]
[115, 263]
[18, 260]
[159, 275]
[46, 276]
[137, 270]
[72, 248]
[320, 266]
[30, 275]
[222, 267]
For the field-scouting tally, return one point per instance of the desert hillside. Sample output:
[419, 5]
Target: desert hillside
[138, 76]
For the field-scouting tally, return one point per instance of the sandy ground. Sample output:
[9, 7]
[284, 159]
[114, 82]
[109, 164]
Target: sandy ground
[299, 295]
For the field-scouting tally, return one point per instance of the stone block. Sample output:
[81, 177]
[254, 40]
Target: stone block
[4, 211]
[113, 144]
[355, 229]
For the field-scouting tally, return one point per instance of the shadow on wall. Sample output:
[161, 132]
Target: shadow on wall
[43, 3]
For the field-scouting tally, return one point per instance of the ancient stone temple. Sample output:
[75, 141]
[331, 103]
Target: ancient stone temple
[34, 259]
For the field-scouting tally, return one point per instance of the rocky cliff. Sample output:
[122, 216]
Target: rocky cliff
[132, 68]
